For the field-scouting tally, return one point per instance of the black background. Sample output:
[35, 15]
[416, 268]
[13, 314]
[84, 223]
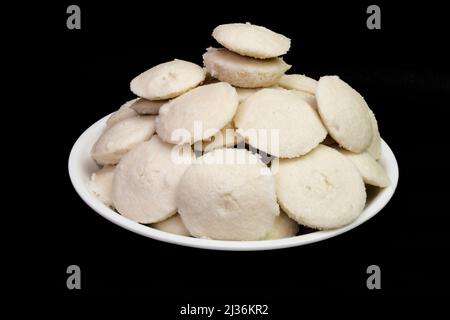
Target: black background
[401, 70]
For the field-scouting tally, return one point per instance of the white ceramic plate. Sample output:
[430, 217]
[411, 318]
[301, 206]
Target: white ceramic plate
[81, 166]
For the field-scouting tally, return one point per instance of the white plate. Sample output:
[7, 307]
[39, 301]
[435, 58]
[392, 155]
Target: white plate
[81, 166]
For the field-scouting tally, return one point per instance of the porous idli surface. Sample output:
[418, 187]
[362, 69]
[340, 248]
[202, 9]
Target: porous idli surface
[280, 123]
[228, 194]
[251, 40]
[208, 108]
[146, 180]
[321, 190]
[345, 113]
[121, 137]
[167, 80]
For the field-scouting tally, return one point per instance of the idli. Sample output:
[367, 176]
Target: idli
[197, 114]
[167, 80]
[243, 71]
[344, 113]
[146, 180]
[121, 137]
[280, 123]
[321, 190]
[251, 40]
[371, 171]
[228, 194]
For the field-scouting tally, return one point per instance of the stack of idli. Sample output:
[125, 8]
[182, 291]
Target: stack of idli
[236, 149]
